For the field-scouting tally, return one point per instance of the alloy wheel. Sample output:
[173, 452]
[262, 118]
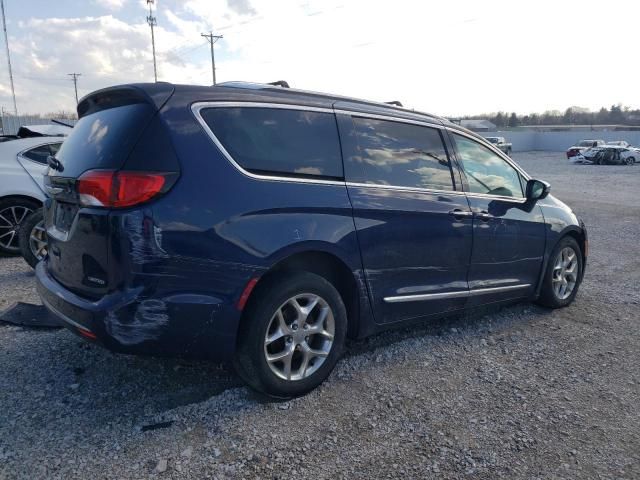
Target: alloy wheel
[10, 220]
[38, 241]
[565, 273]
[299, 337]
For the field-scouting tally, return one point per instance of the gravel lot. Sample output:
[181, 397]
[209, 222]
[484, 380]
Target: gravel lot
[522, 392]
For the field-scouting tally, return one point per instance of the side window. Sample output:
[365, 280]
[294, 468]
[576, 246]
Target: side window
[280, 141]
[54, 147]
[399, 154]
[486, 171]
[38, 154]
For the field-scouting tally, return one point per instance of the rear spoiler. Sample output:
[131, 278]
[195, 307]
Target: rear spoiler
[155, 94]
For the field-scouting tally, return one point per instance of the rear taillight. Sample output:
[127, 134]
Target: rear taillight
[108, 188]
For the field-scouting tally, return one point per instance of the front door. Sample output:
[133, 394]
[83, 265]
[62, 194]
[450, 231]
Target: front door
[412, 220]
[508, 230]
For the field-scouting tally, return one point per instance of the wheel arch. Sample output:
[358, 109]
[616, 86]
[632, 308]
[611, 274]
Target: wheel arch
[21, 196]
[327, 265]
[579, 234]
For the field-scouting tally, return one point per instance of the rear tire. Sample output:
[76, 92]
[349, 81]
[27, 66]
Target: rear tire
[13, 212]
[630, 161]
[33, 238]
[283, 352]
[563, 275]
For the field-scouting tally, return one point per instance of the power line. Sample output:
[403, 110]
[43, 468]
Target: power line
[6, 43]
[151, 20]
[74, 77]
[212, 40]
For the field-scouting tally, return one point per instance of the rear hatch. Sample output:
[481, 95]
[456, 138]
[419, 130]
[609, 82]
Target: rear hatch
[104, 145]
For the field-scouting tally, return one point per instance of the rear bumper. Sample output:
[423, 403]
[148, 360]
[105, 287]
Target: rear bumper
[176, 325]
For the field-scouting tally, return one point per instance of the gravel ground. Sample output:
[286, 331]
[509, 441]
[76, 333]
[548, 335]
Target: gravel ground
[521, 392]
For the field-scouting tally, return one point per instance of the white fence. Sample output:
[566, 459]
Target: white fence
[527, 140]
[11, 124]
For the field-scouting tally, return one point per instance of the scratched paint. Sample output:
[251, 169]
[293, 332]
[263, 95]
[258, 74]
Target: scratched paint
[146, 324]
[144, 242]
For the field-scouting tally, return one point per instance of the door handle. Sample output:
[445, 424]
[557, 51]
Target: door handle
[460, 214]
[484, 216]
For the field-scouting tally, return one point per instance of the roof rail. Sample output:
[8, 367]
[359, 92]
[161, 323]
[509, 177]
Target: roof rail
[280, 83]
[394, 102]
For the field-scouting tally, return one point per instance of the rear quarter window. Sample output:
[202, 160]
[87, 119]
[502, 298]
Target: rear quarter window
[278, 141]
[104, 139]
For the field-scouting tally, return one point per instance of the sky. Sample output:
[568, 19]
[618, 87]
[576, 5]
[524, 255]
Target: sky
[451, 58]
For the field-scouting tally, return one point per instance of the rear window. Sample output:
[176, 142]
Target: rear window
[103, 139]
[278, 141]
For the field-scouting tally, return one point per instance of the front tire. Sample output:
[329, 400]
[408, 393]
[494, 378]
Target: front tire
[563, 275]
[292, 335]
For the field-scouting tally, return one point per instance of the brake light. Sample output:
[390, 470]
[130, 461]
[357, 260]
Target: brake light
[107, 188]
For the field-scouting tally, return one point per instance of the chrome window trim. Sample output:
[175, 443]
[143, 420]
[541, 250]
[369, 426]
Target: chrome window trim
[459, 294]
[377, 116]
[197, 108]
[407, 189]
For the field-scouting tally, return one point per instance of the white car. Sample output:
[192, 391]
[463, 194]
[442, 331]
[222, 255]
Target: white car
[619, 143]
[23, 162]
[607, 155]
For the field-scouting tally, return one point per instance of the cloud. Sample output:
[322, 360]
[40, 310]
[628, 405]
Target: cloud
[428, 55]
[110, 4]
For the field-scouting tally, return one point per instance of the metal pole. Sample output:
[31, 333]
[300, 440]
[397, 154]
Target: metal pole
[151, 20]
[6, 43]
[212, 39]
[213, 64]
[74, 77]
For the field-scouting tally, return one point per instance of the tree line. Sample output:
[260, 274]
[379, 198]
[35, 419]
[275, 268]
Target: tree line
[616, 115]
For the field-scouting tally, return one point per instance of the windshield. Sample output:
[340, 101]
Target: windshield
[586, 143]
[493, 139]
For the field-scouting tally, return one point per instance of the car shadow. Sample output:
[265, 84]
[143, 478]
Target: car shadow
[90, 384]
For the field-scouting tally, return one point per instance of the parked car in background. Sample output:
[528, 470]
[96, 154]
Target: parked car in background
[582, 146]
[266, 225]
[501, 143]
[619, 143]
[607, 155]
[23, 162]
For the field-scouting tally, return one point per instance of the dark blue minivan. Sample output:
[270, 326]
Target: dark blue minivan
[265, 225]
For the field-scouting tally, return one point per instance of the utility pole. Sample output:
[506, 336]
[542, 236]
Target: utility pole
[212, 39]
[151, 20]
[74, 77]
[6, 43]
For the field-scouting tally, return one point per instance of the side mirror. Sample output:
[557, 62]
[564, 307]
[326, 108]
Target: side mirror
[537, 189]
